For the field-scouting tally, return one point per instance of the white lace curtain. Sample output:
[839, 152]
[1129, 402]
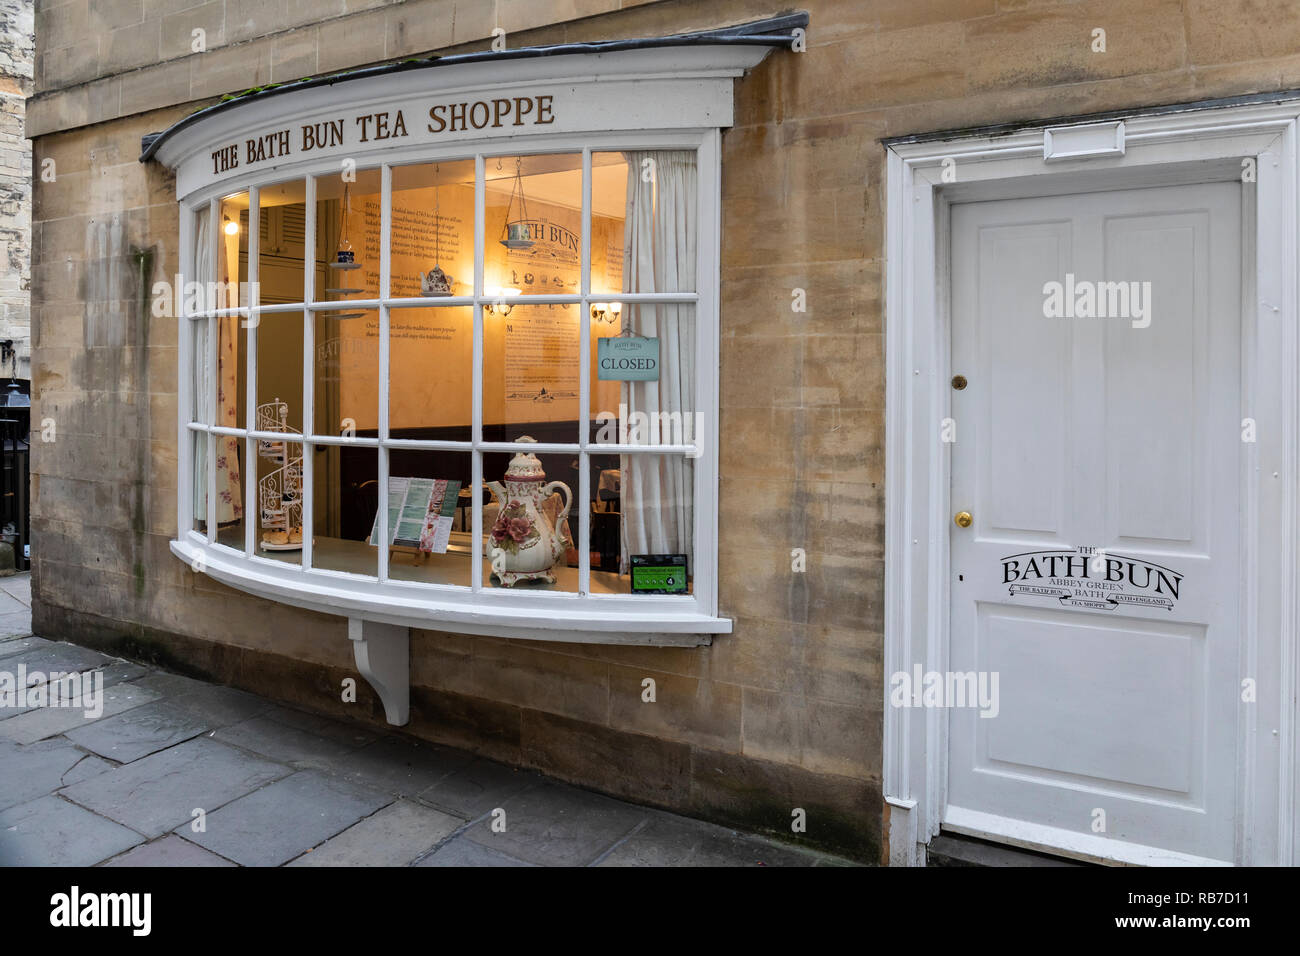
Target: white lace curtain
[659, 255]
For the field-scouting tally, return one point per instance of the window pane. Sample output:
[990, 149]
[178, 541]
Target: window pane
[432, 239]
[655, 505]
[643, 384]
[430, 372]
[644, 221]
[229, 288]
[529, 526]
[533, 225]
[430, 516]
[347, 236]
[279, 485]
[346, 364]
[530, 373]
[345, 496]
[282, 221]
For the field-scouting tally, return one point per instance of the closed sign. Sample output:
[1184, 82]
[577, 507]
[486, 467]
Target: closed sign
[622, 359]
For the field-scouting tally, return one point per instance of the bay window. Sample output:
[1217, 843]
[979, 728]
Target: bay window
[461, 377]
[384, 342]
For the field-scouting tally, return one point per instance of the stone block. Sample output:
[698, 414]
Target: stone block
[700, 712]
[634, 766]
[177, 32]
[351, 42]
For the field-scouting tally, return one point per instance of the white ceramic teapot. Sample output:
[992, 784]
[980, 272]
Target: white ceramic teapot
[523, 544]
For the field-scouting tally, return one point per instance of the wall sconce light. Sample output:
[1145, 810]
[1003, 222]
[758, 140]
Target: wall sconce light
[232, 227]
[606, 311]
[498, 305]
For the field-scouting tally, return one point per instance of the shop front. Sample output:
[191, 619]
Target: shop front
[450, 345]
[863, 426]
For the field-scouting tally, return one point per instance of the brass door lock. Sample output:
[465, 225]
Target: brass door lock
[963, 519]
[959, 382]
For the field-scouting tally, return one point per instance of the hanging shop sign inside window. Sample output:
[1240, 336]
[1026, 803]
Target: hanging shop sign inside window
[494, 113]
[627, 358]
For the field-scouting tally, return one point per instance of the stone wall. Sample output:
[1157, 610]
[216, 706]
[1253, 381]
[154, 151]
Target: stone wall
[16, 57]
[787, 711]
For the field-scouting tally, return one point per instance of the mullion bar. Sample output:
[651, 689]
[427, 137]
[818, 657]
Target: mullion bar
[212, 373]
[476, 399]
[252, 504]
[184, 382]
[385, 250]
[308, 369]
[584, 386]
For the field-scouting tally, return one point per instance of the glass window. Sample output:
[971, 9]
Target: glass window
[529, 403]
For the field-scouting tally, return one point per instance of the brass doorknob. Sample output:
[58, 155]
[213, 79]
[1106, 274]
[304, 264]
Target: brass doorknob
[963, 519]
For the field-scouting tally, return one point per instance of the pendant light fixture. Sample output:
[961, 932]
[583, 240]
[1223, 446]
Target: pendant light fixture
[516, 230]
[345, 259]
[436, 282]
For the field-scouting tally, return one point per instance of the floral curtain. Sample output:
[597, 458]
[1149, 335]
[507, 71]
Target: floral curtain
[226, 382]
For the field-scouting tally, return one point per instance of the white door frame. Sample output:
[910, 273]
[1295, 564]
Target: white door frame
[1172, 146]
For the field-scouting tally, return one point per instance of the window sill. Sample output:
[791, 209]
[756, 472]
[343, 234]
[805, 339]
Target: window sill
[670, 622]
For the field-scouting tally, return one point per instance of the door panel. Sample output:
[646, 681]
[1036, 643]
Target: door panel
[1099, 455]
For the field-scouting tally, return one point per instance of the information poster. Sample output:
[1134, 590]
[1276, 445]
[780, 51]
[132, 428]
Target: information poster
[420, 513]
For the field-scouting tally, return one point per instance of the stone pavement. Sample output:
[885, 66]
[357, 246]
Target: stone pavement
[176, 772]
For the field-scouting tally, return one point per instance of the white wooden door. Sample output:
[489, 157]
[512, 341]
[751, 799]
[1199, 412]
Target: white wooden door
[1099, 456]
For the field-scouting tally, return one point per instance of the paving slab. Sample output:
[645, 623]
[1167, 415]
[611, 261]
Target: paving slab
[139, 731]
[327, 727]
[478, 788]
[557, 825]
[285, 819]
[158, 793]
[169, 685]
[17, 645]
[89, 766]
[11, 605]
[52, 832]
[59, 656]
[668, 840]
[463, 852]
[171, 850]
[394, 836]
[116, 673]
[400, 765]
[17, 624]
[35, 771]
[45, 722]
[284, 743]
[221, 706]
[18, 586]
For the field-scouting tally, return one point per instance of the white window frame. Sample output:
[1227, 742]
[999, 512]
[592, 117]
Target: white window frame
[481, 608]
[1170, 146]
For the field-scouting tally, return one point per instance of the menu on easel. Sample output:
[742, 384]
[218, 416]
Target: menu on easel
[420, 513]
